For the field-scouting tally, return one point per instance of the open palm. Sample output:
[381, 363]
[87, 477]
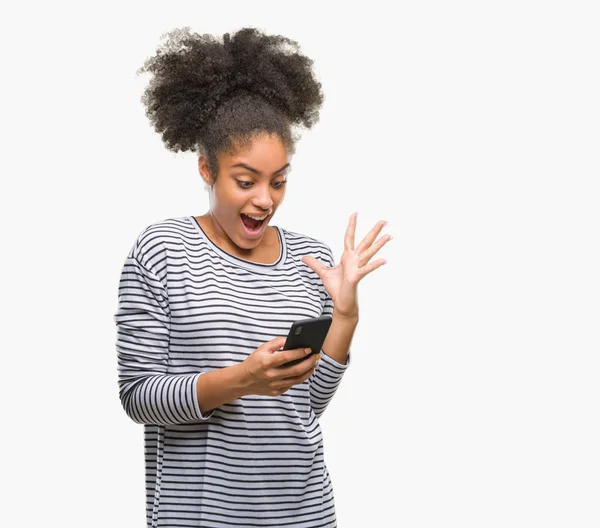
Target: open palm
[341, 281]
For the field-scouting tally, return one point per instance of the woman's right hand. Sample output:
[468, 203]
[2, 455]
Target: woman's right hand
[264, 373]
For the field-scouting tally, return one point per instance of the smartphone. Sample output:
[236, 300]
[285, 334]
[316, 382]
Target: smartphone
[307, 333]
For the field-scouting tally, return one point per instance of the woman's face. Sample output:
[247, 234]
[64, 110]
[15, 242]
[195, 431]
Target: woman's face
[250, 182]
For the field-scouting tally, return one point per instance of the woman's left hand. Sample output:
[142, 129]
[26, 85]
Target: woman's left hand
[341, 281]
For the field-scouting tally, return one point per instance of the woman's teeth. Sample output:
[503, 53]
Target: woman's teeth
[259, 218]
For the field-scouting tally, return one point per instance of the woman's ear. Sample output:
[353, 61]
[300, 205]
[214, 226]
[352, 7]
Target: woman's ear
[205, 171]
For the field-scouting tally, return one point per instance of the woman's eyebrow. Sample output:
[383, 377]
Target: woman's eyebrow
[257, 172]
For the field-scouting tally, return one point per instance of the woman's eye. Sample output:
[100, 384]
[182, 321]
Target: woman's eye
[247, 184]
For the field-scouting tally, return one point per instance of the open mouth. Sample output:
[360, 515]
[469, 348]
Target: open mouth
[252, 225]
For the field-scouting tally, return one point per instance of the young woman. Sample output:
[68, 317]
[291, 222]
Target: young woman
[232, 437]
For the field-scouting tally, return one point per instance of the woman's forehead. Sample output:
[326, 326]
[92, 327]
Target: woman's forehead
[266, 154]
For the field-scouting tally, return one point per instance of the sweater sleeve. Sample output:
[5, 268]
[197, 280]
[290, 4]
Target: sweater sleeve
[147, 392]
[328, 374]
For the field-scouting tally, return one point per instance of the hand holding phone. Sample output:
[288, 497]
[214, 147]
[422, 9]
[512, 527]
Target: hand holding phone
[307, 333]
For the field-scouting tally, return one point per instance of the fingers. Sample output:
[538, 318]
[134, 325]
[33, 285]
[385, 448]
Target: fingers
[300, 373]
[367, 255]
[371, 236]
[365, 270]
[288, 355]
[350, 232]
[275, 344]
[314, 264]
[301, 368]
[267, 375]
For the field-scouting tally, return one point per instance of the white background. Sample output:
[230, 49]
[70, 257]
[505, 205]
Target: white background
[472, 127]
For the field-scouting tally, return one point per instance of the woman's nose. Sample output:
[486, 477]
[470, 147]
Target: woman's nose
[263, 198]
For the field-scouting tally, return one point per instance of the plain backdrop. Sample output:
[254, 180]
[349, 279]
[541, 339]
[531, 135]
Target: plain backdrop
[472, 127]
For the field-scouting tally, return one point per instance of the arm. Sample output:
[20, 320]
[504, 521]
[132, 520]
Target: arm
[335, 355]
[339, 337]
[148, 394]
[341, 281]
[220, 386]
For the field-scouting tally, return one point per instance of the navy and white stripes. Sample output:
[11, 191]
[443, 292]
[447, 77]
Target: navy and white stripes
[186, 307]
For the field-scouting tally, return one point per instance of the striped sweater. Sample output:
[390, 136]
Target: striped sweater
[185, 307]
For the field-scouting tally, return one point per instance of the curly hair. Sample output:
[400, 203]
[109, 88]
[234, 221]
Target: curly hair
[212, 96]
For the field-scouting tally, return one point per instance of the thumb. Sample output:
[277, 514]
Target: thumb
[314, 265]
[275, 344]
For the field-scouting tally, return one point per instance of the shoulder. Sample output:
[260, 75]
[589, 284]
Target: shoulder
[300, 245]
[151, 243]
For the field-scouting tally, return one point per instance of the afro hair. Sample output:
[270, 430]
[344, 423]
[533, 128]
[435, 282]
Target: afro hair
[210, 95]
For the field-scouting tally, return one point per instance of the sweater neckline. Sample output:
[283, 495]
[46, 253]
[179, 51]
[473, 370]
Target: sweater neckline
[248, 264]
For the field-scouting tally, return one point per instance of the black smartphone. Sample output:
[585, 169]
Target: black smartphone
[307, 333]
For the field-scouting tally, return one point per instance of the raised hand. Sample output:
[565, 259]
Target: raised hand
[341, 281]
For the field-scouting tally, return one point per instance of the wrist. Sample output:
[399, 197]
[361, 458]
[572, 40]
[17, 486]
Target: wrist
[240, 379]
[219, 386]
[351, 317]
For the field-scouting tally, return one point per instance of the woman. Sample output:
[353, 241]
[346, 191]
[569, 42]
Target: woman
[232, 437]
